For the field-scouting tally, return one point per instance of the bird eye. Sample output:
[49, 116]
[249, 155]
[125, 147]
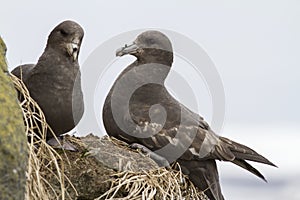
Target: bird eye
[63, 32]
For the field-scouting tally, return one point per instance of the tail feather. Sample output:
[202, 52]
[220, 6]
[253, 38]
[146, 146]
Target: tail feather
[248, 167]
[242, 152]
[204, 175]
[256, 158]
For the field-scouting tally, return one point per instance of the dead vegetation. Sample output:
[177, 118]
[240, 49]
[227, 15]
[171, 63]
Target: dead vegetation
[159, 183]
[43, 159]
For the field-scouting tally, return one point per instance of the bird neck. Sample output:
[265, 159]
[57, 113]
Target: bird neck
[156, 56]
[145, 72]
[138, 75]
[56, 60]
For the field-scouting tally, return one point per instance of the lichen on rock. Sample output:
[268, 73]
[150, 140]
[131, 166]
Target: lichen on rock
[13, 141]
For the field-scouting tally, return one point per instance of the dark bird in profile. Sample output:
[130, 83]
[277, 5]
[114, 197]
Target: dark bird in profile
[55, 81]
[139, 109]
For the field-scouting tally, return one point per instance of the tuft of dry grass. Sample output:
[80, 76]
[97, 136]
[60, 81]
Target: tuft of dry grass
[160, 183]
[156, 183]
[43, 160]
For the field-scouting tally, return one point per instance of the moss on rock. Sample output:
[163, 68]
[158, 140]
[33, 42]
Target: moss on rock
[13, 142]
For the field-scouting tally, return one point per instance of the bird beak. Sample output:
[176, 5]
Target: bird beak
[73, 48]
[128, 49]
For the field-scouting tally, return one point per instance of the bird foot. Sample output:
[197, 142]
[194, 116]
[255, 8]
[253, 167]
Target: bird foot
[61, 143]
[161, 161]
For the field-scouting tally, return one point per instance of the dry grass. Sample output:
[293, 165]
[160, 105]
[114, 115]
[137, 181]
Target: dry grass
[157, 183]
[154, 184]
[43, 159]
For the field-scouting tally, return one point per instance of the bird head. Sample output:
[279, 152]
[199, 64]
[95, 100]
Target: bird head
[66, 38]
[150, 47]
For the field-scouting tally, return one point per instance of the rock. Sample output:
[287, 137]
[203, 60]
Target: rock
[13, 141]
[107, 168]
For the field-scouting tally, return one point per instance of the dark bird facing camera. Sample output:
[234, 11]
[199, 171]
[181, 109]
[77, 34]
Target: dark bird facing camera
[55, 81]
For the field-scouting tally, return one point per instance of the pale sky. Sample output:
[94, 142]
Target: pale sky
[254, 45]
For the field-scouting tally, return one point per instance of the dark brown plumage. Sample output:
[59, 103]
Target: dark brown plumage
[139, 109]
[54, 82]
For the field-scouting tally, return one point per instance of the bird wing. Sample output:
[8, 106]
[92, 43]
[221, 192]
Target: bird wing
[23, 71]
[185, 135]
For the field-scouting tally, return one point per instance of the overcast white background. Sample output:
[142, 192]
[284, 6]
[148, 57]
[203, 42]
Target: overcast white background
[255, 46]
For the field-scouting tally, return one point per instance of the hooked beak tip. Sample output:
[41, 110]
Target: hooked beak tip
[127, 49]
[73, 49]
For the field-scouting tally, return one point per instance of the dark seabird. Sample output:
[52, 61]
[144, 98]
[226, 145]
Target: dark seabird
[54, 82]
[140, 110]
